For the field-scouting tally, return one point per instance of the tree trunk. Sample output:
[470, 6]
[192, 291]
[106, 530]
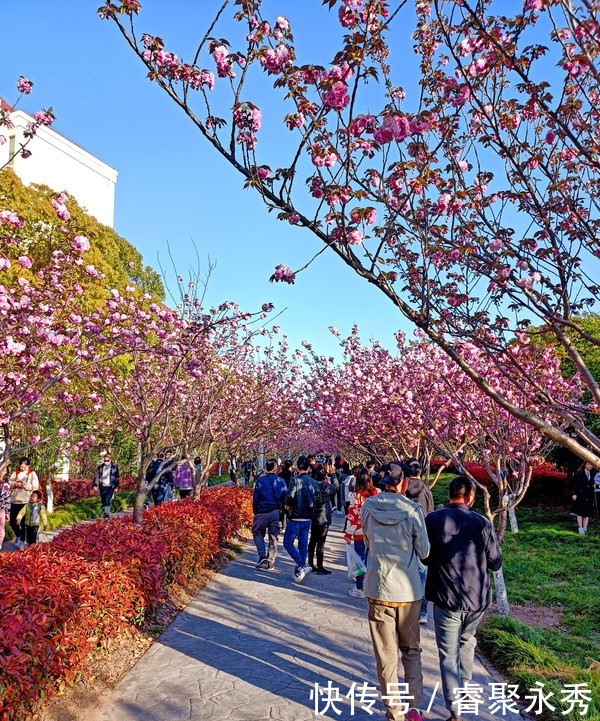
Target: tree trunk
[49, 498]
[501, 530]
[140, 497]
[512, 517]
[141, 491]
[200, 485]
[501, 595]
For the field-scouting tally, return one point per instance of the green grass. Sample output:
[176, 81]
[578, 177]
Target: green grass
[82, 510]
[87, 508]
[213, 480]
[547, 564]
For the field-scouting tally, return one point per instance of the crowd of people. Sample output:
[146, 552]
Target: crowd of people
[412, 554]
[409, 553]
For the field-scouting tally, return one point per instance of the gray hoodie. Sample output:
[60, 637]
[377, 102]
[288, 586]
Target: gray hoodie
[394, 531]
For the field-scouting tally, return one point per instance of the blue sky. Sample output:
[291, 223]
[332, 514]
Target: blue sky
[172, 187]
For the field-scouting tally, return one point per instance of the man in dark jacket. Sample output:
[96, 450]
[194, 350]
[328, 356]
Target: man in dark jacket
[463, 551]
[300, 503]
[419, 492]
[267, 501]
[106, 479]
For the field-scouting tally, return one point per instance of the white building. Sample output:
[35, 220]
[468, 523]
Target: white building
[60, 164]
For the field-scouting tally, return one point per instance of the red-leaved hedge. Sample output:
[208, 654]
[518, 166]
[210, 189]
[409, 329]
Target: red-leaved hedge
[60, 600]
[545, 471]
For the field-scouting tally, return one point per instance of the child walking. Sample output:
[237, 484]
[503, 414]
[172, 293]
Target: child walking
[34, 514]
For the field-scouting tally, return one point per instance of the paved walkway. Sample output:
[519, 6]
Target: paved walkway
[252, 646]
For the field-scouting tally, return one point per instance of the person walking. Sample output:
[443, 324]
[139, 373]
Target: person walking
[249, 468]
[463, 552]
[162, 490]
[353, 533]
[4, 503]
[300, 503]
[22, 482]
[419, 492]
[267, 501]
[184, 478]
[394, 532]
[321, 519]
[286, 473]
[583, 496]
[106, 479]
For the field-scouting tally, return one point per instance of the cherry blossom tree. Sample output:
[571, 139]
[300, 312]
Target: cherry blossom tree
[468, 197]
[169, 370]
[45, 341]
[418, 402]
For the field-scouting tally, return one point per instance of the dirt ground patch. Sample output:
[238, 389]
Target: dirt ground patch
[540, 616]
[109, 665]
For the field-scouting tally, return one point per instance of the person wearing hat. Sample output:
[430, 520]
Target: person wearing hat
[395, 535]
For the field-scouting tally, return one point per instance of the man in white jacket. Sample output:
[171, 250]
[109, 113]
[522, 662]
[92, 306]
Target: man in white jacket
[395, 534]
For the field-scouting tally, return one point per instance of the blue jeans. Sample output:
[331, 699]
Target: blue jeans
[297, 530]
[106, 494]
[455, 638]
[262, 523]
[158, 495]
[363, 552]
[423, 577]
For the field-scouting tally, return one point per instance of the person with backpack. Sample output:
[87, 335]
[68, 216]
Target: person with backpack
[300, 503]
[321, 519]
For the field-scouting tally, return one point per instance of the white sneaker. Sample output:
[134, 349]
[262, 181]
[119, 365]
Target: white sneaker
[357, 593]
[298, 576]
[306, 570]
[423, 619]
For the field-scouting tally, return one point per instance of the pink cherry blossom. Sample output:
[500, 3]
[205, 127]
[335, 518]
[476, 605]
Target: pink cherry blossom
[284, 274]
[24, 85]
[81, 243]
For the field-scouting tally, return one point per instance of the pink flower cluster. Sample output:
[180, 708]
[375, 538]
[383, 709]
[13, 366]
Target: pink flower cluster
[284, 274]
[167, 64]
[324, 157]
[276, 60]
[24, 85]
[282, 28]
[43, 117]
[394, 127]
[336, 97]
[81, 243]
[248, 118]
[224, 61]
[60, 208]
[12, 218]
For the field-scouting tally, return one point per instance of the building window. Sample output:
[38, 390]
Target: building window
[12, 149]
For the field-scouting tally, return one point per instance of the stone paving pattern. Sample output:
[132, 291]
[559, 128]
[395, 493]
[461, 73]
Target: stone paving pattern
[253, 644]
